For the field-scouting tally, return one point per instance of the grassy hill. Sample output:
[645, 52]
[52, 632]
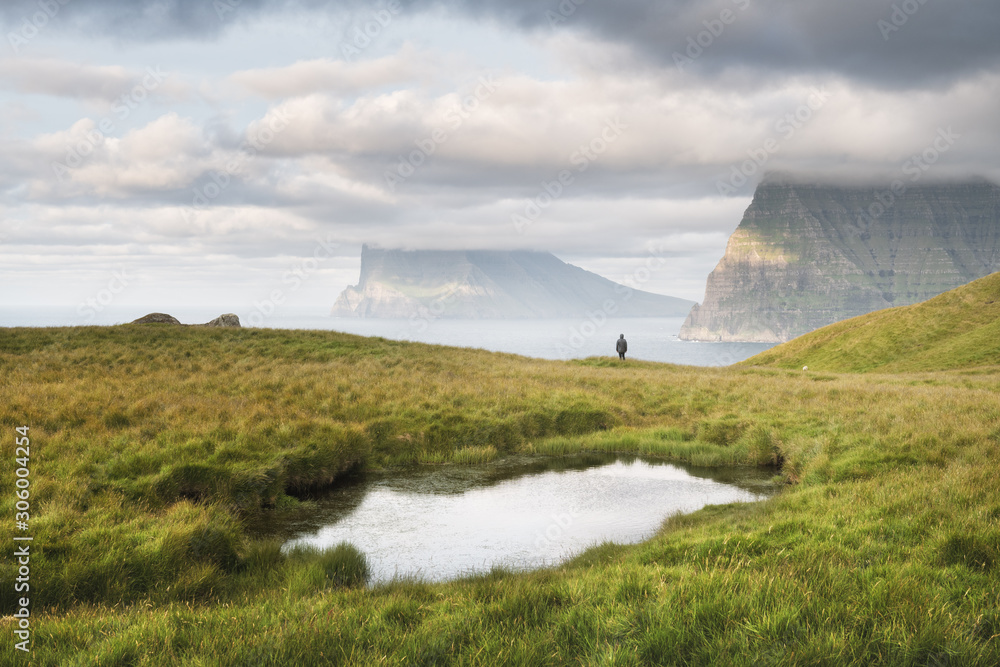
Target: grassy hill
[155, 447]
[959, 329]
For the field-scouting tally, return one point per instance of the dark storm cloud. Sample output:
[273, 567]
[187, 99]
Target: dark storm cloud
[895, 43]
[153, 19]
[126, 19]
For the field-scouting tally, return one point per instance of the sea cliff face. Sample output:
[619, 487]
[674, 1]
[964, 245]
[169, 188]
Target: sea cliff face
[484, 284]
[805, 256]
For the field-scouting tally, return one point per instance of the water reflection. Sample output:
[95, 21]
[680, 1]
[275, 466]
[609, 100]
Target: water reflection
[443, 522]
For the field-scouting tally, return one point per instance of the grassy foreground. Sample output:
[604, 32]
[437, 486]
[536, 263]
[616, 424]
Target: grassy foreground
[957, 329]
[154, 447]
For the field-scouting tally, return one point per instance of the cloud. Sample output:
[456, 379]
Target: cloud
[483, 134]
[925, 42]
[144, 20]
[673, 130]
[337, 77]
[107, 84]
[66, 79]
[163, 155]
[128, 19]
[642, 132]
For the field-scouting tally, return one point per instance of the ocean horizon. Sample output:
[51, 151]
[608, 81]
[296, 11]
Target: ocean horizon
[649, 338]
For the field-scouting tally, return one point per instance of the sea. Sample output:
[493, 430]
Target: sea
[649, 338]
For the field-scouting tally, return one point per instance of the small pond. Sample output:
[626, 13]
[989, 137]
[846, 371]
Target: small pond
[437, 523]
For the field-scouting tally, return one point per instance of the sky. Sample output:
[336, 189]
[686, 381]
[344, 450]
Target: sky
[211, 152]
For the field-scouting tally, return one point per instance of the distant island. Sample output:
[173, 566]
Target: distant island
[490, 284]
[808, 255]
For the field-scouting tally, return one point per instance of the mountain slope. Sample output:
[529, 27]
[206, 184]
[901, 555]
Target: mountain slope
[486, 284]
[957, 329]
[805, 256]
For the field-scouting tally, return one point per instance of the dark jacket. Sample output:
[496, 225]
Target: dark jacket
[621, 346]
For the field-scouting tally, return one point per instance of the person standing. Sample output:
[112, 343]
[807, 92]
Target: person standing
[621, 346]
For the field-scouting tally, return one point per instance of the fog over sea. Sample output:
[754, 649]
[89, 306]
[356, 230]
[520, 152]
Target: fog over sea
[649, 338]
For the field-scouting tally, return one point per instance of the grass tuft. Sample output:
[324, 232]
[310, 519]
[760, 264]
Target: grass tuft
[338, 566]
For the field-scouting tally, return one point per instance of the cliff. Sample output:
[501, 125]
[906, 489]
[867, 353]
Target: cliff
[486, 284]
[805, 256]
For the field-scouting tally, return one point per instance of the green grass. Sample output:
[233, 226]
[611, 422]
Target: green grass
[957, 329]
[755, 446]
[155, 448]
[338, 566]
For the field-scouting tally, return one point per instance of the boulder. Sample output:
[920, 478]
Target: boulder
[157, 318]
[226, 320]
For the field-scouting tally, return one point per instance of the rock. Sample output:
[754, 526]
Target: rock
[490, 284]
[157, 318]
[808, 255]
[226, 320]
